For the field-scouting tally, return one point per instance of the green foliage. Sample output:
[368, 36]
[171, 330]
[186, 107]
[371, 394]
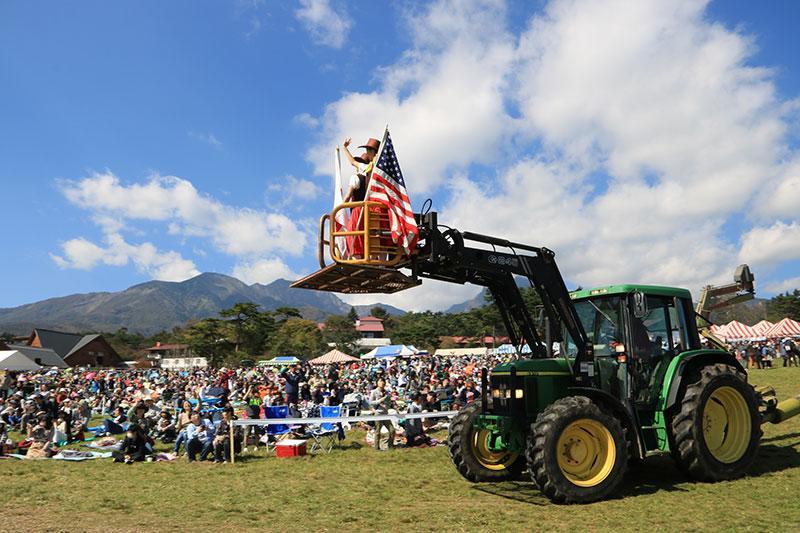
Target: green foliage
[127, 344]
[783, 305]
[299, 337]
[352, 314]
[379, 312]
[241, 316]
[341, 331]
[207, 338]
[424, 330]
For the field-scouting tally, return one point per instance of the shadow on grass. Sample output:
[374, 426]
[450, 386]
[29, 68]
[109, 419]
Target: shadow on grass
[656, 474]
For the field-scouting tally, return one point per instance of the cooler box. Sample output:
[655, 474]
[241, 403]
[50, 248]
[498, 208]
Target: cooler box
[290, 448]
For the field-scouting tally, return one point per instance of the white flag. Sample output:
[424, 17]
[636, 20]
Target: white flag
[338, 196]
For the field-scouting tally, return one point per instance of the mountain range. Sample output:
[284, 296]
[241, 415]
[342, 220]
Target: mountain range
[150, 307]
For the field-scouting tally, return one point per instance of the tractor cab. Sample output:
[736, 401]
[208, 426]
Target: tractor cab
[640, 326]
[637, 332]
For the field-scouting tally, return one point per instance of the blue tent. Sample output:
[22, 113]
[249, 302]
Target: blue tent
[394, 350]
[508, 349]
[281, 360]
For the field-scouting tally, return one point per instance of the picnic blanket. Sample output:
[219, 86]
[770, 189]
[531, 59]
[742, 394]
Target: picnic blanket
[77, 455]
[67, 455]
[105, 446]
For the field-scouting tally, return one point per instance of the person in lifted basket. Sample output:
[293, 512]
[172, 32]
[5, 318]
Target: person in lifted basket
[357, 191]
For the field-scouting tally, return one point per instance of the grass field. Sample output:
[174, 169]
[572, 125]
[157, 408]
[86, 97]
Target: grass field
[357, 488]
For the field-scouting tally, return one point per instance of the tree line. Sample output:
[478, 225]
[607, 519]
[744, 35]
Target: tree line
[245, 331]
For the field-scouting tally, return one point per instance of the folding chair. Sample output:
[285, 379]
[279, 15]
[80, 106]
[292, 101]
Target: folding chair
[276, 431]
[327, 434]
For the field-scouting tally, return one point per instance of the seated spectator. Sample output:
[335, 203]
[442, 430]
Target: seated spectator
[184, 419]
[134, 446]
[165, 428]
[115, 426]
[222, 438]
[415, 434]
[40, 437]
[199, 438]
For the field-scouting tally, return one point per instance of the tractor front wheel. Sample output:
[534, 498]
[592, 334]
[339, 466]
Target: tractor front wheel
[717, 431]
[577, 453]
[470, 452]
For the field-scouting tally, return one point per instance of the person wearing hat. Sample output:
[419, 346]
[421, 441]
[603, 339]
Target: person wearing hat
[357, 190]
[358, 181]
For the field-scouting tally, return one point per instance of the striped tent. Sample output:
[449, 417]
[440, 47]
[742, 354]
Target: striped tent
[785, 328]
[736, 331]
[334, 356]
[762, 327]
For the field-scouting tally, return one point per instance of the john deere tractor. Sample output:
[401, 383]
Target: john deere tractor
[615, 373]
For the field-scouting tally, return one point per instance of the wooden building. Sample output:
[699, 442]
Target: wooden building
[77, 350]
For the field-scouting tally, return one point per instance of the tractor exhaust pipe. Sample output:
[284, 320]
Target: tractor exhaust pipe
[782, 411]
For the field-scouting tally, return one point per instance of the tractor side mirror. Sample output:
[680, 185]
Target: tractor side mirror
[640, 309]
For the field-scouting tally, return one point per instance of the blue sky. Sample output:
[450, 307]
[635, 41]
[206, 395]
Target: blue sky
[154, 140]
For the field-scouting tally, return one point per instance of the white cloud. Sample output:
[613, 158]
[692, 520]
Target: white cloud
[783, 286]
[290, 189]
[625, 135]
[435, 295]
[771, 245]
[79, 253]
[207, 138]
[444, 100]
[264, 271]
[175, 201]
[85, 255]
[307, 120]
[326, 25]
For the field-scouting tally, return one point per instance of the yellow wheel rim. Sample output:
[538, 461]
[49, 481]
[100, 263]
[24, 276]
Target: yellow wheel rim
[488, 458]
[726, 425]
[586, 452]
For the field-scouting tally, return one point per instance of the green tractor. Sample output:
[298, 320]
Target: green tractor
[630, 378]
[655, 389]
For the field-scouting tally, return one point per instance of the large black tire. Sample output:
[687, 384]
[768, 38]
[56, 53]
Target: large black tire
[470, 455]
[717, 430]
[577, 453]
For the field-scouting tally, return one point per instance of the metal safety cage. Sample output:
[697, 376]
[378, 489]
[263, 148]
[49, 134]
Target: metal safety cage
[368, 242]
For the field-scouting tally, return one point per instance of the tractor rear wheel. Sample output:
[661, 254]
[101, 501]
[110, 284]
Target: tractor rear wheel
[470, 452]
[717, 430]
[577, 453]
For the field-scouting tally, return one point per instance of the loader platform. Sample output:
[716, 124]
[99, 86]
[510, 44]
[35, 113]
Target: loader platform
[356, 279]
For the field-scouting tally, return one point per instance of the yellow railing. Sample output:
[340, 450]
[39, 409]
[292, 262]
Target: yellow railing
[369, 242]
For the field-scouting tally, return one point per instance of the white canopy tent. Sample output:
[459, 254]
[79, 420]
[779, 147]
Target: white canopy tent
[15, 360]
[462, 352]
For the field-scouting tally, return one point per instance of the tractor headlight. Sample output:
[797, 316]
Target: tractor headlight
[495, 393]
[518, 394]
[507, 393]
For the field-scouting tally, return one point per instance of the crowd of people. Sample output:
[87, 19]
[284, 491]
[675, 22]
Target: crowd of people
[191, 409]
[762, 354]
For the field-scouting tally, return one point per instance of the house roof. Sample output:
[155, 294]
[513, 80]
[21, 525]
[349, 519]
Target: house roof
[64, 344]
[16, 360]
[369, 324]
[86, 339]
[47, 356]
[163, 347]
[61, 343]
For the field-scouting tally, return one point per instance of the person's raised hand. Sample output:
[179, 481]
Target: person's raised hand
[347, 142]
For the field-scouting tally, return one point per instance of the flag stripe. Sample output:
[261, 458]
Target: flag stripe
[388, 188]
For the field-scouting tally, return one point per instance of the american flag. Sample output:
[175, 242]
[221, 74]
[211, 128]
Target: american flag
[387, 186]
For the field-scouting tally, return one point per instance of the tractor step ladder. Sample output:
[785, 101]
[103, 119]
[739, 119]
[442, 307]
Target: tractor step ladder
[365, 260]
